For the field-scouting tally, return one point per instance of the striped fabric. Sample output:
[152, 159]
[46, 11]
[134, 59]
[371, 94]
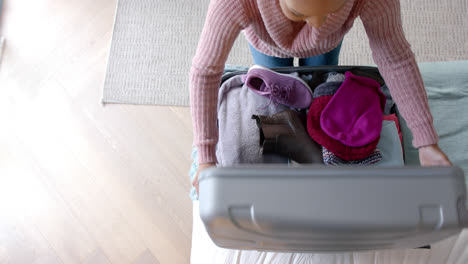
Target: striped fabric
[331, 159]
[270, 32]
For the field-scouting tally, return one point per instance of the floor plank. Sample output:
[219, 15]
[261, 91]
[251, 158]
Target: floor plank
[83, 182]
[97, 257]
[146, 258]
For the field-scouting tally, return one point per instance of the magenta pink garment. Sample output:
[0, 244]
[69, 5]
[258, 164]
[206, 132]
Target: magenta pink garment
[354, 114]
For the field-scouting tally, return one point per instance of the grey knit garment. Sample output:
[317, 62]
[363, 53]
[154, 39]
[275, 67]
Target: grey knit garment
[334, 77]
[239, 135]
[333, 81]
[326, 88]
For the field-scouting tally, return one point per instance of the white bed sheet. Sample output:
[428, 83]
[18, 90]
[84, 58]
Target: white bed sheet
[204, 251]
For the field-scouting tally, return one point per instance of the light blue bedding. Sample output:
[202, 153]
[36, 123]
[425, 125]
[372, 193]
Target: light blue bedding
[447, 90]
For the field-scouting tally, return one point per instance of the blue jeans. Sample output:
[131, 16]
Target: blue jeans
[329, 58]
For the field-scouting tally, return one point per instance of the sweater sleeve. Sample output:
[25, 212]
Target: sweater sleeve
[224, 21]
[397, 64]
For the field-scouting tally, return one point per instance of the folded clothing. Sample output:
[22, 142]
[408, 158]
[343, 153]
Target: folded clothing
[239, 136]
[388, 152]
[328, 88]
[390, 145]
[354, 114]
[331, 159]
[335, 77]
[394, 118]
[323, 94]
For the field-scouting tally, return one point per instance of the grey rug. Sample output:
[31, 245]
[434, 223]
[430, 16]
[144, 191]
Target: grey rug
[154, 42]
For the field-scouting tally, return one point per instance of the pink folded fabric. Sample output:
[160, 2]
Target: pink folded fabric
[354, 114]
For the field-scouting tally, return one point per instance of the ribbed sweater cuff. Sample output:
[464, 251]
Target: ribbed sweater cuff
[424, 135]
[206, 154]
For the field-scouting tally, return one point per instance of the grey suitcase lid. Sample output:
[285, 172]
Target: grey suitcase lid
[316, 208]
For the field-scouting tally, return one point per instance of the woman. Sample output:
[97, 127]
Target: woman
[278, 30]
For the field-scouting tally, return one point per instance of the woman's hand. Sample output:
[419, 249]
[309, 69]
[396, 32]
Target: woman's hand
[432, 155]
[200, 168]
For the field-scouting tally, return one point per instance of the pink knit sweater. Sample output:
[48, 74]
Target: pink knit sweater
[270, 32]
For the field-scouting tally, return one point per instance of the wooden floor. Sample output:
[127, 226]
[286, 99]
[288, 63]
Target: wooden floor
[81, 182]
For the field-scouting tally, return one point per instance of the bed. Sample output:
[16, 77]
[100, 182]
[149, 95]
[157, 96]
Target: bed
[447, 88]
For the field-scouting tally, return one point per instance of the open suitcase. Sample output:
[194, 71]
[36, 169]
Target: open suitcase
[317, 208]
